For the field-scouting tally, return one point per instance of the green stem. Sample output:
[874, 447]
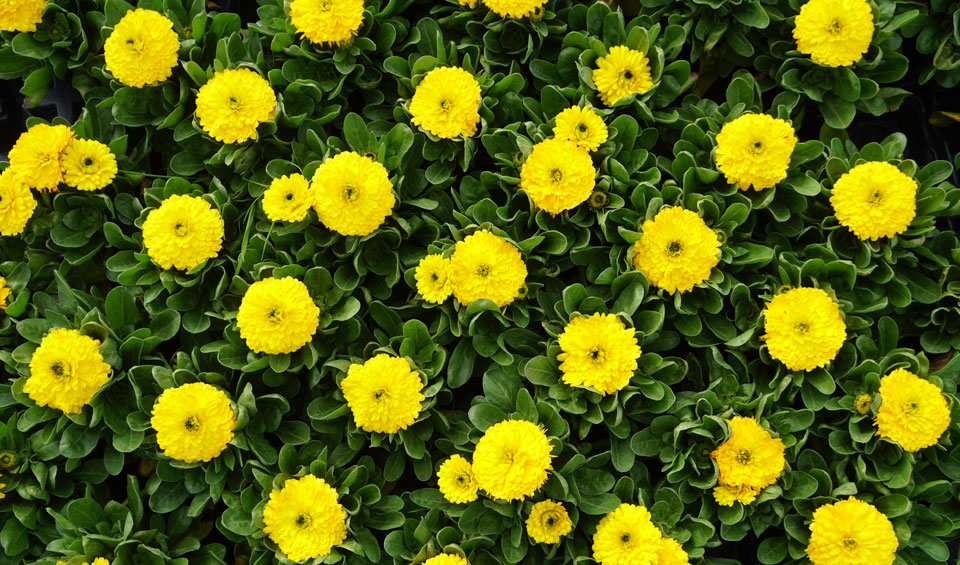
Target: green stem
[146, 174]
[264, 249]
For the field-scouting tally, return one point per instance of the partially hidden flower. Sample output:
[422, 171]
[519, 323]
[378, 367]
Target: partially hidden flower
[627, 535]
[36, 156]
[16, 203]
[88, 165]
[582, 126]
[433, 278]
[21, 15]
[514, 8]
[851, 532]
[327, 22]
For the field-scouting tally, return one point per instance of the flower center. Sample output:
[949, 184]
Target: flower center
[88, 162]
[234, 103]
[597, 355]
[582, 128]
[192, 424]
[289, 196]
[303, 520]
[911, 406]
[7, 459]
[275, 315]
[756, 147]
[550, 521]
[350, 193]
[556, 175]
[59, 370]
[180, 229]
[801, 328]
[461, 480]
[625, 538]
[674, 248]
[627, 74]
[434, 277]
[444, 104]
[744, 456]
[483, 270]
[849, 542]
[380, 394]
[835, 27]
[598, 199]
[875, 197]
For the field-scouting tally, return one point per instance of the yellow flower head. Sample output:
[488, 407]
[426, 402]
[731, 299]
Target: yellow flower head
[626, 535]
[548, 522]
[582, 126]
[875, 200]
[88, 165]
[670, 552]
[327, 22]
[677, 250]
[305, 518]
[4, 293]
[456, 480]
[8, 459]
[486, 266]
[142, 49]
[447, 559]
[384, 394]
[183, 232]
[913, 411]
[851, 532]
[194, 422]
[352, 194]
[21, 15]
[277, 316]
[233, 103]
[65, 371]
[750, 458]
[101, 561]
[863, 403]
[16, 203]
[288, 199]
[558, 175]
[805, 328]
[512, 458]
[726, 495]
[36, 156]
[468, 3]
[446, 103]
[754, 151]
[622, 72]
[514, 8]
[3, 494]
[835, 33]
[433, 278]
[598, 352]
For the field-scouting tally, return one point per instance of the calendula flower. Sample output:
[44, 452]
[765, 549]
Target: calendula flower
[622, 72]
[726, 495]
[677, 250]
[88, 165]
[446, 103]
[384, 394]
[486, 266]
[183, 232]
[469, 3]
[194, 422]
[670, 552]
[36, 156]
[433, 278]
[804, 328]
[598, 352]
[548, 522]
[851, 532]
[233, 103]
[913, 411]
[21, 15]
[512, 458]
[456, 480]
[875, 200]
[447, 559]
[288, 199]
[142, 49]
[352, 194]
[863, 403]
[329, 22]
[558, 175]
[582, 126]
[626, 535]
[16, 203]
[754, 151]
[4, 293]
[277, 316]
[835, 33]
[66, 370]
[514, 8]
[305, 518]
[749, 459]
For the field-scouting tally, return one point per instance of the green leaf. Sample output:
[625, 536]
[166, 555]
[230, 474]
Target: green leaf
[121, 310]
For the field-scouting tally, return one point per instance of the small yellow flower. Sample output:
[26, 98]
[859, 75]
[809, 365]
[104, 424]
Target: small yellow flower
[863, 403]
[65, 371]
[288, 199]
[447, 559]
[749, 460]
[726, 495]
[305, 518]
[622, 72]
[670, 552]
[277, 316]
[598, 352]
[142, 49]
[875, 200]
[233, 103]
[446, 103]
[511, 460]
[514, 8]
[486, 266]
[21, 15]
[384, 394]
[851, 532]
[456, 480]
[582, 126]
[558, 175]
[352, 194]
[626, 535]
[913, 411]
[548, 522]
[754, 150]
[804, 328]
[328, 22]
[8, 459]
[36, 156]
[677, 250]
[88, 165]
[433, 278]
[16, 203]
[469, 3]
[194, 422]
[183, 232]
[835, 33]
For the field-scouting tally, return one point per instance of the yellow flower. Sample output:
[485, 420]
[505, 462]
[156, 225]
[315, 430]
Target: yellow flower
[332, 22]
[304, 518]
[142, 49]
[21, 15]
[456, 480]
[913, 411]
[88, 165]
[16, 203]
[598, 352]
[446, 559]
[384, 394]
[875, 200]
[468, 3]
[8, 459]
[548, 522]
[233, 103]
[288, 199]
[851, 532]
[514, 8]
[626, 536]
[558, 175]
[353, 194]
[433, 278]
[726, 495]
[486, 266]
[36, 156]
[583, 126]
[194, 422]
[750, 458]
[3, 494]
[863, 403]
[835, 33]
[677, 250]
[277, 316]
[4, 293]
[100, 561]
[65, 371]
[622, 72]
[805, 328]
[183, 232]
[670, 552]
[512, 458]
[446, 103]
[754, 151]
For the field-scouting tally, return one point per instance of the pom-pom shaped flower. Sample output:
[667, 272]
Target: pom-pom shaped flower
[194, 422]
[804, 328]
[352, 194]
[670, 552]
[875, 200]
[749, 460]
[447, 559]
[36, 156]
[384, 394]
[598, 352]
[582, 126]
[851, 532]
[88, 165]
[913, 411]
[4, 295]
[433, 278]
[558, 175]
[620, 73]
[754, 151]
[486, 266]
[456, 480]
[16, 203]
[514, 8]
[511, 460]
[183, 232]
[327, 22]
[626, 535]
[277, 316]
[835, 33]
[142, 49]
[677, 250]
[233, 103]
[446, 103]
[548, 522]
[305, 518]
[288, 199]
[863, 403]
[65, 371]
[21, 15]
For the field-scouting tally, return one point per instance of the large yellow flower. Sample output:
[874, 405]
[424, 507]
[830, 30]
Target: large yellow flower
[804, 328]
[277, 316]
[353, 194]
[288, 199]
[514, 8]
[305, 518]
[835, 33]
[512, 458]
[558, 175]
[446, 103]
[21, 15]
[36, 156]
[142, 49]
[548, 522]
[233, 103]
[327, 22]
[627, 536]
[670, 552]
[447, 559]
[582, 126]
[851, 532]
[677, 250]
[433, 278]
[622, 72]
[913, 411]
[598, 352]
[16, 203]
[65, 371]
[183, 232]
[486, 266]
[754, 150]
[88, 165]
[750, 459]
[456, 480]
[194, 422]
[875, 200]
[384, 394]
